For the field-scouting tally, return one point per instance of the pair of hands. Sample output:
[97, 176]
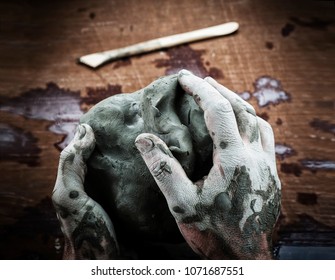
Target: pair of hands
[231, 213]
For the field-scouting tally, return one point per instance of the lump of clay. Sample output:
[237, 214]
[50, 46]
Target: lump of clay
[117, 176]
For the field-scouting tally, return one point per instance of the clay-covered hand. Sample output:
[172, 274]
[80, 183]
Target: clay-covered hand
[87, 229]
[232, 212]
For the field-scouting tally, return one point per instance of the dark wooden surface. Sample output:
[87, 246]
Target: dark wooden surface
[43, 92]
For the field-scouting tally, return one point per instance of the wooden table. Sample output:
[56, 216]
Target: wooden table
[43, 92]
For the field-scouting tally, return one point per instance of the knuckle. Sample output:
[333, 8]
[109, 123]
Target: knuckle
[57, 198]
[160, 169]
[66, 152]
[153, 165]
[268, 129]
[248, 108]
[264, 124]
[267, 125]
[220, 106]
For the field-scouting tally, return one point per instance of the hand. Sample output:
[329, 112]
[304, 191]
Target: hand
[232, 212]
[87, 229]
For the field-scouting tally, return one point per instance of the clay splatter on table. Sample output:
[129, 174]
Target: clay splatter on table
[245, 95]
[96, 94]
[279, 121]
[269, 45]
[283, 151]
[269, 91]
[62, 107]
[92, 15]
[264, 115]
[291, 168]
[18, 145]
[122, 63]
[287, 29]
[307, 198]
[315, 165]
[323, 125]
[314, 22]
[184, 57]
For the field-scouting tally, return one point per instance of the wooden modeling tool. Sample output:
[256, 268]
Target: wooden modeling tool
[97, 59]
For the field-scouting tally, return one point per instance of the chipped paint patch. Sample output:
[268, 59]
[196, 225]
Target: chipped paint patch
[269, 45]
[245, 95]
[307, 198]
[287, 29]
[318, 164]
[264, 115]
[18, 145]
[184, 57]
[283, 151]
[315, 23]
[323, 125]
[62, 107]
[269, 91]
[291, 168]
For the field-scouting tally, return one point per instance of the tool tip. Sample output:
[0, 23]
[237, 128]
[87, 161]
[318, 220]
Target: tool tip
[93, 60]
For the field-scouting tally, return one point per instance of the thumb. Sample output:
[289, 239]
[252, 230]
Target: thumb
[170, 177]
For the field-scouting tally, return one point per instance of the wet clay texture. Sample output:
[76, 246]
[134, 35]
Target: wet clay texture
[117, 176]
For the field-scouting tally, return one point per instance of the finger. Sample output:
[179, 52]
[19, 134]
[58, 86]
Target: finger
[82, 144]
[267, 137]
[244, 112]
[69, 187]
[236, 101]
[170, 177]
[80, 216]
[219, 116]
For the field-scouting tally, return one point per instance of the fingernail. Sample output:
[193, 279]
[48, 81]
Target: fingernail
[209, 80]
[144, 145]
[81, 130]
[185, 72]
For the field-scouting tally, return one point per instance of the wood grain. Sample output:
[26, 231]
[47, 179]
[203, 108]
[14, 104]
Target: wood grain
[290, 41]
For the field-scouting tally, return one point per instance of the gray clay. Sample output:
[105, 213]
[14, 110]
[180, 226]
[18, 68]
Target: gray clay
[117, 176]
[156, 175]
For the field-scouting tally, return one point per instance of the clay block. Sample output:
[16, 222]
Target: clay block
[117, 176]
